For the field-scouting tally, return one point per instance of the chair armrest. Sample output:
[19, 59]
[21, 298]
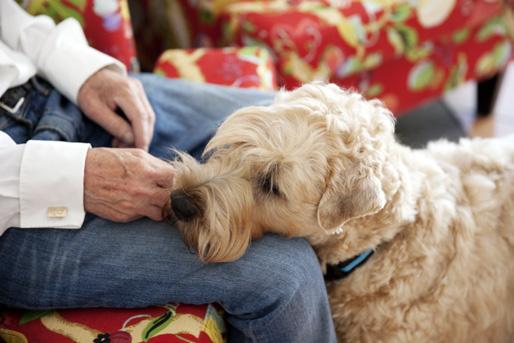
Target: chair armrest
[248, 67]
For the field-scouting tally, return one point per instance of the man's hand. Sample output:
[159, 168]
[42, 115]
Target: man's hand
[126, 184]
[105, 92]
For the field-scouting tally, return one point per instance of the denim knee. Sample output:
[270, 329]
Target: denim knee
[289, 269]
[284, 300]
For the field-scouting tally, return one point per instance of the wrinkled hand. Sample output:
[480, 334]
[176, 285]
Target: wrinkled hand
[126, 184]
[105, 92]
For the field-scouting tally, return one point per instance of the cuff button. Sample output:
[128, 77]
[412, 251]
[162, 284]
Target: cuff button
[57, 212]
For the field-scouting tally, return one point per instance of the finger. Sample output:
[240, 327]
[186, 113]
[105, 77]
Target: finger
[148, 106]
[150, 117]
[144, 99]
[137, 114]
[112, 123]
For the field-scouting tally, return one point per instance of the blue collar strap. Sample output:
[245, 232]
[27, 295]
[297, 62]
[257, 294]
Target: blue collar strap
[343, 269]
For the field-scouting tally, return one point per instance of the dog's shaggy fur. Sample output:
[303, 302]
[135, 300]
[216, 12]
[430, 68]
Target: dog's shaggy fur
[320, 159]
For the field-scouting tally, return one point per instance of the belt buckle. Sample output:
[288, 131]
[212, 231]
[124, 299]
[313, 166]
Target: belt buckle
[12, 110]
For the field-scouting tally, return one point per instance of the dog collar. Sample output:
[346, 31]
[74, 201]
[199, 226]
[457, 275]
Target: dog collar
[343, 269]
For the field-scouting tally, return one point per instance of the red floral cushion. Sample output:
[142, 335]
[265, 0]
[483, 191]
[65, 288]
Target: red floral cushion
[240, 67]
[170, 323]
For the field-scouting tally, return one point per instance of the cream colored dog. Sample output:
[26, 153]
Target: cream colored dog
[323, 163]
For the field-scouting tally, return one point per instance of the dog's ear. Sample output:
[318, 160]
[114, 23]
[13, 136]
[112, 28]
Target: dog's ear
[351, 193]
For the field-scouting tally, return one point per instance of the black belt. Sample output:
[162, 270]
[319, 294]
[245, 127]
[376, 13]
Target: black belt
[14, 98]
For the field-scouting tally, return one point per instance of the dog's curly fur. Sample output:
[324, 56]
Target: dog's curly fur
[441, 220]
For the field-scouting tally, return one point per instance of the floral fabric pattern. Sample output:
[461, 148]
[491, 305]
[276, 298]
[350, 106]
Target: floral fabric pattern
[403, 52]
[169, 323]
[248, 67]
[106, 23]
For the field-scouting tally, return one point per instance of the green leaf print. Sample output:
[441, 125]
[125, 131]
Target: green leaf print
[57, 10]
[374, 91]
[158, 324]
[493, 60]
[402, 38]
[491, 28]
[420, 52]
[460, 36]
[421, 75]
[29, 316]
[408, 35]
[401, 12]
[396, 41]
[457, 73]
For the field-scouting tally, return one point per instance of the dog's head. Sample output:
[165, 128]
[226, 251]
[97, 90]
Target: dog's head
[304, 166]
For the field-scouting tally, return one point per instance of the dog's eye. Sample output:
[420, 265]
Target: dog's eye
[268, 186]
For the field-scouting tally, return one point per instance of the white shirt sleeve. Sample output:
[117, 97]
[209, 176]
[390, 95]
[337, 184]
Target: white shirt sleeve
[60, 52]
[41, 184]
[10, 155]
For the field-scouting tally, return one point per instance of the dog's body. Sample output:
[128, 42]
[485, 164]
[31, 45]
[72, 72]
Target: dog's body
[323, 164]
[447, 273]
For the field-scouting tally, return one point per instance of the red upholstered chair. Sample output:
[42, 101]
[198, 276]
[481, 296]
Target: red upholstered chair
[106, 23]
[401, 51]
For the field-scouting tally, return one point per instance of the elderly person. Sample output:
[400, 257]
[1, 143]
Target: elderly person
[77, 136]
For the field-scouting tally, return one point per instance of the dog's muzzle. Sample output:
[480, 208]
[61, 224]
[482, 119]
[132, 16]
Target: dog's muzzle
[183, 206]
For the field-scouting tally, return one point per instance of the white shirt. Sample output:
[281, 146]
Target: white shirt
[41, 183]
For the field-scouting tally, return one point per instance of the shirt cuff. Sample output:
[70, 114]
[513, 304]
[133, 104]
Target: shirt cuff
[52, 184]
[72, 61]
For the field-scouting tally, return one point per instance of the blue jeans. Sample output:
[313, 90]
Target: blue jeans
[274, 293]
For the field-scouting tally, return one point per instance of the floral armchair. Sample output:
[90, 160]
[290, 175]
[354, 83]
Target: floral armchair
[404, 52]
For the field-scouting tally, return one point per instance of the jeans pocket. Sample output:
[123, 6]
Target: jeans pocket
[61, 120]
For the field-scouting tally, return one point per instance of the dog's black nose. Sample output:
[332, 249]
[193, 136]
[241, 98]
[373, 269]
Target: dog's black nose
[183, 206]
